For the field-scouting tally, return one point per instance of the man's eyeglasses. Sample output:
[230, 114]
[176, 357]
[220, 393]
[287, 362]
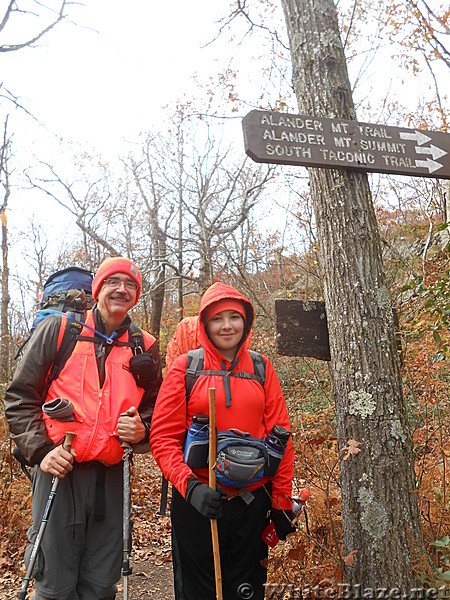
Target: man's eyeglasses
[115, 283]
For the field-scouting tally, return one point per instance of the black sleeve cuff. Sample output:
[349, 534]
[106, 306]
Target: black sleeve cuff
[192, 483]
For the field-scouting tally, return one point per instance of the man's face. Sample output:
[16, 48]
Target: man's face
[116, 297]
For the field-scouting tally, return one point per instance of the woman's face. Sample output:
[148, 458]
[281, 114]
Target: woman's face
[225, 331]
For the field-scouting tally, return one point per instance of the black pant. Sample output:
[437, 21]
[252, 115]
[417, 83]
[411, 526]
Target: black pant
[241, 549]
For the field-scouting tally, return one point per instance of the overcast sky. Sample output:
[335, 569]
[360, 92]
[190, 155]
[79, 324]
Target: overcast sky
[107, 77]
[100, 80]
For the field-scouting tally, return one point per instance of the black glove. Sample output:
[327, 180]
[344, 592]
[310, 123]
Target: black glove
[207, 501]
[281, 521]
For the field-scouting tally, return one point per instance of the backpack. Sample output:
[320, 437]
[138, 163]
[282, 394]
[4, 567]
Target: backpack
[68, 290]
[185, 338]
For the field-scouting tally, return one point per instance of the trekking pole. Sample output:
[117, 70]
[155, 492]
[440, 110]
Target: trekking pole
[126, 570]
[163, 501]
[212, 485]
[67, 444]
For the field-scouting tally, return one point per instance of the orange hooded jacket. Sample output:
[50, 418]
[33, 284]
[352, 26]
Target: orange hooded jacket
[253, 409]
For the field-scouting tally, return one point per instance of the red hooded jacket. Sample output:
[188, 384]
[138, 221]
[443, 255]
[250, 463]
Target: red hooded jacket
[253, 409]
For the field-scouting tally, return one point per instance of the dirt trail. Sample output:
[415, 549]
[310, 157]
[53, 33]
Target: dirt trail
[149, 581]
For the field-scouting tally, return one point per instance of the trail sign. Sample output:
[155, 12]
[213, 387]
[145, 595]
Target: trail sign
[287, 139]
[302, 329]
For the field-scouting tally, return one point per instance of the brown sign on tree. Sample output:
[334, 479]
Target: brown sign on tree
[280, 138]
[301, 328]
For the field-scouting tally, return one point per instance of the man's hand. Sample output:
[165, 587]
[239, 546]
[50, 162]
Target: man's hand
[130, 427]
[58, 462]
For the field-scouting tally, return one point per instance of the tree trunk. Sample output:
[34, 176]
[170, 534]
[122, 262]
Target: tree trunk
[379, 502]
[5, 358]
[157, 297]
[159, 286]
[180, 253]
[5, 370]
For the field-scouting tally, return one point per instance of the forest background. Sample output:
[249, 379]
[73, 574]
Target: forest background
[183, 201]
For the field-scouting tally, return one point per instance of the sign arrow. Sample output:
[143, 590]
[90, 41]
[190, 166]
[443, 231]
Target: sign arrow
[429, 164]
[434, 151]
[417, 136]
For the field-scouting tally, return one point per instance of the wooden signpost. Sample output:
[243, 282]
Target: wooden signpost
[285, 139]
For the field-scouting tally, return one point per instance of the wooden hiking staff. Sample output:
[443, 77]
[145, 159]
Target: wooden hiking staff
[212, 485]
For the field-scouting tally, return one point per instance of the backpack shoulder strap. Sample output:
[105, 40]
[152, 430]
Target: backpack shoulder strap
[193, 366]
[259, 367]
[70, 337]
[72, 334]
[136, 339]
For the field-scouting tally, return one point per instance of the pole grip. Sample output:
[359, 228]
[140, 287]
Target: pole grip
[68, 440]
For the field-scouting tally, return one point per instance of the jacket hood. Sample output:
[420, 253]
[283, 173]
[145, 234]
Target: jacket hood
[221, 291]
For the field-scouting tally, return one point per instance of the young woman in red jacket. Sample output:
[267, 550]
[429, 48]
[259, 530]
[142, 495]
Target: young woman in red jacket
[242, 403]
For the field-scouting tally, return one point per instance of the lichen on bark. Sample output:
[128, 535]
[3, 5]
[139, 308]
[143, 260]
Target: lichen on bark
[362, 404]
[374, 517]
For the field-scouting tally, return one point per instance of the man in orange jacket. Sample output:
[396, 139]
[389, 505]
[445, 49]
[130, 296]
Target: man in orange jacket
[80, 555]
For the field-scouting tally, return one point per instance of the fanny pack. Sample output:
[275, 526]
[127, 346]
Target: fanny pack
[241, 459]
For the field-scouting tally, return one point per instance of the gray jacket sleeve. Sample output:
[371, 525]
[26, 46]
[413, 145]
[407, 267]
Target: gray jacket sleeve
[23, 398]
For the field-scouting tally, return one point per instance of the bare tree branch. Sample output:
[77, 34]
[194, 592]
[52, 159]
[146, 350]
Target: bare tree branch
[12, 7]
